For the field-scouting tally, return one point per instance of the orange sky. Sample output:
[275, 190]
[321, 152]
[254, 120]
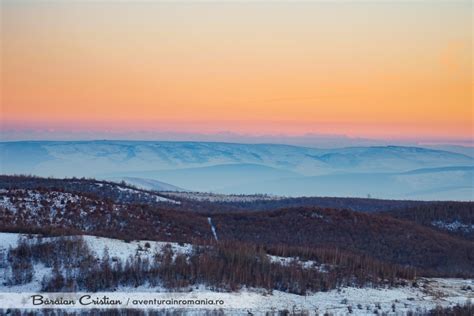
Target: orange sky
[365, 69]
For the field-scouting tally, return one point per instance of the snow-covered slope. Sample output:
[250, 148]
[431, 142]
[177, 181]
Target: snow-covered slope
[148, 184]
[428, 293]
[117, 249]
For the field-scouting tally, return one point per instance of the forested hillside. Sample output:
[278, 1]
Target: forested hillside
[456, 218]
[376, 236]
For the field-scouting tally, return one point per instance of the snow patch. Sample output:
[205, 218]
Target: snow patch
[453, 226]
[123, 250]
[306, 264]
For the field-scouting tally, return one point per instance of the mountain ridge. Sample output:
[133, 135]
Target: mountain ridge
[211, 166]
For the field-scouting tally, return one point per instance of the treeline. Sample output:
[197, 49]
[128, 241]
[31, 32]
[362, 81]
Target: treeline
[223, 266]
[354, 204]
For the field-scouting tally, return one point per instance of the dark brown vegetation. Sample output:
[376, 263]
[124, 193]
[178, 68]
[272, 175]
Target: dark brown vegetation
[285, 232]
[456, 218]
[103, 190]
[380, 237]
[223, 266]
[458, 310]
[354, 204]
[96, 216]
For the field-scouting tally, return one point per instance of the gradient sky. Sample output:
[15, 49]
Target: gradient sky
[394, 70]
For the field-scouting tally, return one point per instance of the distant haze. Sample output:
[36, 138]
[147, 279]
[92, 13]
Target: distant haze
[395, 172]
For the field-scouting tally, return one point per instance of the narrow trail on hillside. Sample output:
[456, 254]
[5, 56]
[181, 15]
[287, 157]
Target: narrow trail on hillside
[213, 229]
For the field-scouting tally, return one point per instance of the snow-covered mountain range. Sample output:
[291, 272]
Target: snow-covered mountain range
[382, 171]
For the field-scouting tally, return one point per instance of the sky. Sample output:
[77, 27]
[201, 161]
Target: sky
[391, 70]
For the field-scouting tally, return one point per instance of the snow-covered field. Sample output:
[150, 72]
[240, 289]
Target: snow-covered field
[426, 295]
[216, 197]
